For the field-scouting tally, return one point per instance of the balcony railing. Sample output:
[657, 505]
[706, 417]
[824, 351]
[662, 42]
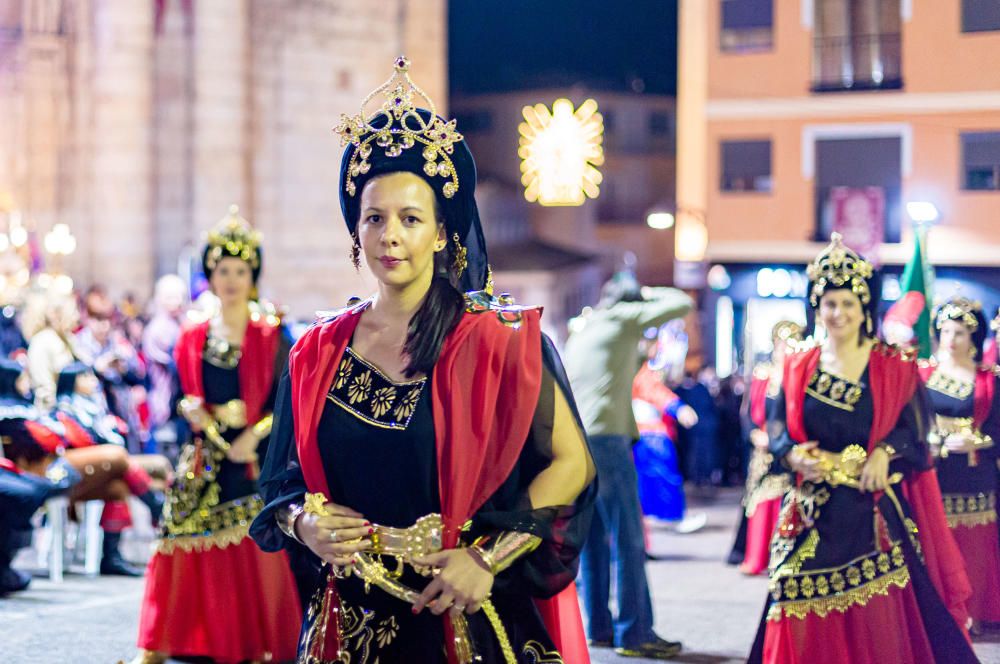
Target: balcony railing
[859, 62]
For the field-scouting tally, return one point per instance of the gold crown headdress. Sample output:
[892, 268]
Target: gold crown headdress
[960, 309]
[785, 330]
[232, 237]
[397, 126]
[838, 266]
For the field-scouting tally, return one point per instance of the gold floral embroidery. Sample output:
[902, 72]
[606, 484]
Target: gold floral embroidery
[407, 405]
[952, 387]
[343, 372]
[834, 391]
[853, 584]
[371, 396]
[969, 510]
[382, 400]
[360, 387]
[537, 654]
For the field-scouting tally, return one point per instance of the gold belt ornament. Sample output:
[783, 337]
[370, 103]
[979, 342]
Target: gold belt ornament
[230, 415]
[845, 469]
[425, 536]
[945, 426]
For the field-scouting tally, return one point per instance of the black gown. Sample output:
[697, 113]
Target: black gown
[377, 443]
[852, 566]
[969, 488]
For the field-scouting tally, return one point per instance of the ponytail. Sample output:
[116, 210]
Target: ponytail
[440, 312]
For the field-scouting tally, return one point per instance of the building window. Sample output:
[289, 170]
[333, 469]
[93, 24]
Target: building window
[746, 166]
[857, 45]
[981, 161]
[659, 123]
[980, 15]
[858, 189]
[747, 25]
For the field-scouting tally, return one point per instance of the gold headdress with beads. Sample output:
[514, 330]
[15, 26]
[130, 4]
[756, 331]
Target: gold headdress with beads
[960, 309]
[785, 329]
[397, 126]
[232, 237]
[838, 266]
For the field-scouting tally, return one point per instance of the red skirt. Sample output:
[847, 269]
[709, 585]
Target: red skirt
[231, 604]
[981, 550]
[889, 628]
[561, 615]
[760, 527]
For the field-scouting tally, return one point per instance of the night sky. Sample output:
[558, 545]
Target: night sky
[501, 45]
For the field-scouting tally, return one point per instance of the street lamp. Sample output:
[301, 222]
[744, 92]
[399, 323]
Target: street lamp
[560, 151]
[659, 220]
[922, 212]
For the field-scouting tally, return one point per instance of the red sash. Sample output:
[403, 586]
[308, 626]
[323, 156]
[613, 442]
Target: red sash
[893, 380]
[484, 390]
[256, 367]
[758, 399]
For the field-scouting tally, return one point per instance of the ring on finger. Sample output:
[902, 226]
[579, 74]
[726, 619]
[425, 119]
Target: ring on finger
[332, 536]
[458, 607]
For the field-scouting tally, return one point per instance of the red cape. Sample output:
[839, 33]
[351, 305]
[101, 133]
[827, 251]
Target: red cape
[484, 391]
[758, 397]
[893, 380]
[256, 368]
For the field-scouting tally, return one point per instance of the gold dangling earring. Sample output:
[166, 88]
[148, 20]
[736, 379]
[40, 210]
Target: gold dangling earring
[972, 352]
[356, 252]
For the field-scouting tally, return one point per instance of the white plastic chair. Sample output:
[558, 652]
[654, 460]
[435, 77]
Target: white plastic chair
[53, 547]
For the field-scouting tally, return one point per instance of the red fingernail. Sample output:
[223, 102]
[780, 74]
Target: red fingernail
[415, 610]
[371, 531]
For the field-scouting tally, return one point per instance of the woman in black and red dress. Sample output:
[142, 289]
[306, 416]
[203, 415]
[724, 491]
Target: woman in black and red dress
[766, 484]
[426, 449]
[848, 579]
[211, 592]
[966, 405]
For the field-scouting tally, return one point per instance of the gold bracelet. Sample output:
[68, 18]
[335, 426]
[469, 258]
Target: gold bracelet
[505, 549]
[263, 427]
[286, 518]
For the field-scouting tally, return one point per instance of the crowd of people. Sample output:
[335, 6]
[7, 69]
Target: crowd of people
[420, 472]
[89, 393]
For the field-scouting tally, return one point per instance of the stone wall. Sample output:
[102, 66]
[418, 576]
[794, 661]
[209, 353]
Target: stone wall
[138, 123]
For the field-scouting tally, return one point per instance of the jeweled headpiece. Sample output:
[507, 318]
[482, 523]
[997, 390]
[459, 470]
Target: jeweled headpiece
[961, 309]
[232, 237]
[397, 126]
[785, 330]
[400, 136]
[837, 267]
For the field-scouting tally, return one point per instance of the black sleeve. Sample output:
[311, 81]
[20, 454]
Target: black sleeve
[781, 443]
[281, 481]
[909, 436]
[553, 565]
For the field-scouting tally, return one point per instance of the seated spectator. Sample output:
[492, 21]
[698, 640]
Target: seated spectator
[115, 361]
[107, 472]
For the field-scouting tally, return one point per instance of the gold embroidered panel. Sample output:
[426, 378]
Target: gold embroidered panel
[220, 353]
[969, 510]
[823, 591]
[218, 526]
[834, 390]
[368, 394]
[952, 387]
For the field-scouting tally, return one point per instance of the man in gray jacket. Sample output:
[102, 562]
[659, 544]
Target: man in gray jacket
[602, 359]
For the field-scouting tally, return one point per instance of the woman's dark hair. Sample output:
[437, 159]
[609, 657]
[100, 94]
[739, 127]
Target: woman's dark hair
[977, 339]
[870, 310]
[441, 310]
